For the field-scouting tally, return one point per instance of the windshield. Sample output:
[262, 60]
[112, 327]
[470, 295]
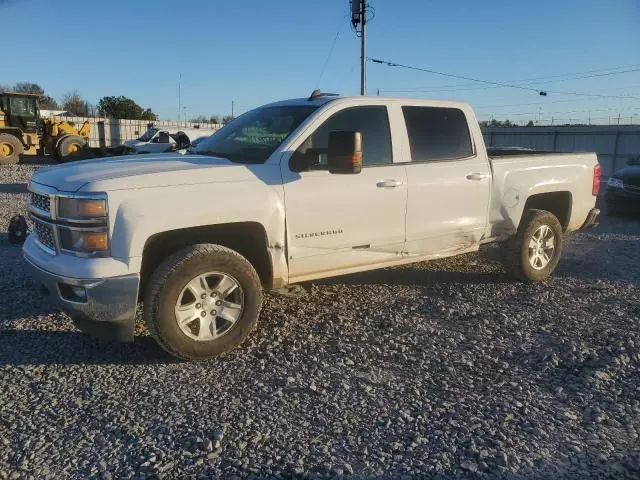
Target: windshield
[148, 135]
[254, 136]
[23, 106]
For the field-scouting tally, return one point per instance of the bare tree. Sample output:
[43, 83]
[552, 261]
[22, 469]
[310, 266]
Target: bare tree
[74, 103]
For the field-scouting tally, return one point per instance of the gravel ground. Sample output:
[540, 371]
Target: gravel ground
[446, 369]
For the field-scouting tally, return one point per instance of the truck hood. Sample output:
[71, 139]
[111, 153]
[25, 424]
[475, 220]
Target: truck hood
[142, 171]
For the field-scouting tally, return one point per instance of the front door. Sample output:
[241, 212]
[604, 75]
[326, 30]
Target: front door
[344, 222]
[448, 181]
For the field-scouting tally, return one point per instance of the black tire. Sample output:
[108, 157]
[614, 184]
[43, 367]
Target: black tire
[68, 145]
[515, 252]
[10, 149]
[169, 279]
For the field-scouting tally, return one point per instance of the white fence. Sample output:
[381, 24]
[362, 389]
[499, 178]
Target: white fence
[615, 145]
[110, 132]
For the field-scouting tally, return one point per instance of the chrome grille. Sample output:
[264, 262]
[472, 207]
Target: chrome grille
[41, 202]
[44, 234]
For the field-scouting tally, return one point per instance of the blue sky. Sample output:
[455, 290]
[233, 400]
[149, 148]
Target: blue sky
[255, 51]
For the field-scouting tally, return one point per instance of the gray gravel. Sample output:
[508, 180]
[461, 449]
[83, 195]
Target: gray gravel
[443, 369]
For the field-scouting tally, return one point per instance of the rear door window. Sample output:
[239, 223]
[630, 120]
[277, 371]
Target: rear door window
[437, 133]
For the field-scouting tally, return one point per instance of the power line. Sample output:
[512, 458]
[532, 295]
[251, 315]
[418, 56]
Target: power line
[324, 66]
[551, 101]
[499, 84]
[451, 75]
[435, 89]
[577, 75]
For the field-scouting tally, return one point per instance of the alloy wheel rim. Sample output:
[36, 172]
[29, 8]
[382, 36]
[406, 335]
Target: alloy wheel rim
[209, 306]
[542, 247]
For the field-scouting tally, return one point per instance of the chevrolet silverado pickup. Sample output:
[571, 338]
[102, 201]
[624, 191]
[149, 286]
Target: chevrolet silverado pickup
[290, 192]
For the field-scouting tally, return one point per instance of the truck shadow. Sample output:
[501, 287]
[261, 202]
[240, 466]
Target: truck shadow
[415, 277]
[13, 188]
[45, 347]
[37, 160]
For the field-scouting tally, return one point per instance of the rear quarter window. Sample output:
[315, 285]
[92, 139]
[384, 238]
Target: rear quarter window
[437, 133]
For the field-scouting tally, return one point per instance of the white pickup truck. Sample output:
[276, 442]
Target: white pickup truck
[157, 140]
[290, 192]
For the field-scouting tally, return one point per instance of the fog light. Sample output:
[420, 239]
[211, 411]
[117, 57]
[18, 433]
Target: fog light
[72, 293]
[79, 292]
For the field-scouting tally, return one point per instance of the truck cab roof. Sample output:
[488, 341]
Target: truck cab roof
[357, 99]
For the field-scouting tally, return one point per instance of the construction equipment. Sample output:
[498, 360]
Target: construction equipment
[23, 131]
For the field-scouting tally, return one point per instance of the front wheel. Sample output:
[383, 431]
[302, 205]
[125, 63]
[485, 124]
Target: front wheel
[533, 253]
[10, 149]
[202, 301]
[69, 145]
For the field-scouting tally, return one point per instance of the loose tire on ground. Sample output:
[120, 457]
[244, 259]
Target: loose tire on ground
[69, 144]
[524, 254]
[167, 287]
[10, 149]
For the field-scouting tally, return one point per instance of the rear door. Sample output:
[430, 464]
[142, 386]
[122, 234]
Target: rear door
[345, 221]
[449, 182]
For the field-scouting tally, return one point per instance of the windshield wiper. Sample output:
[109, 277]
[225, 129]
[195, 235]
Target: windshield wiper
[226, 156]
[233, 157]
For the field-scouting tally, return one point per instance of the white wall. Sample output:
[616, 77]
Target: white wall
[110, 132]
[613, 144]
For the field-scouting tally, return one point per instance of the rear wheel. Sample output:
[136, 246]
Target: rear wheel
[10, 149]
[68, 145]
[202, 301]
[533, 253]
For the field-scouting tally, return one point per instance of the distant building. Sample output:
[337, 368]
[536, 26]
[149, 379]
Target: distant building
[54, 113]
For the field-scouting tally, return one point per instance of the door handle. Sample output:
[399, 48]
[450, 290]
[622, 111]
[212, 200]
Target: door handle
[477, 176]
[388, 183]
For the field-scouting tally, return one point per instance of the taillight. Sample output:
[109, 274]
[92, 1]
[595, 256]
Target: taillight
[597, 171]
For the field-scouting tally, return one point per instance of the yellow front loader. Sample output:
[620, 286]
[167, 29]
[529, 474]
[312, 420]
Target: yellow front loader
[24, 132]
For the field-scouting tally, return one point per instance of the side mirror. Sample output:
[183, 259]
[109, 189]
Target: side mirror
[344, 154]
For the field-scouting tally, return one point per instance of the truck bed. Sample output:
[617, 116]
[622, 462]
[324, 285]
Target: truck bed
[519, 176]
[495, 152]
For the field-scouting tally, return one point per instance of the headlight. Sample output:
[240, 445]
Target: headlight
[615, 183]
[81, 208]
[83, 241]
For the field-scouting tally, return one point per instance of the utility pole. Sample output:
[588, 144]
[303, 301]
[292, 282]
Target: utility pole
[363, 58]
[232, 105]
[359, 17]
[179, 95]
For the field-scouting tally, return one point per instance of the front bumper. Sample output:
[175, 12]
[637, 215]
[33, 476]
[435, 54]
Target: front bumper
[106, 309]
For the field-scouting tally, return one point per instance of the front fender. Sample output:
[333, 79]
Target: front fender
[137, 215]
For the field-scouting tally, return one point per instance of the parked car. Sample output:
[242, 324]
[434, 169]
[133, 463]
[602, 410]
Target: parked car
[623, 189]
[290, 192]
[158, 140]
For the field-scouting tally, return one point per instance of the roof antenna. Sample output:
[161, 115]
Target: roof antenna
[316, 93]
